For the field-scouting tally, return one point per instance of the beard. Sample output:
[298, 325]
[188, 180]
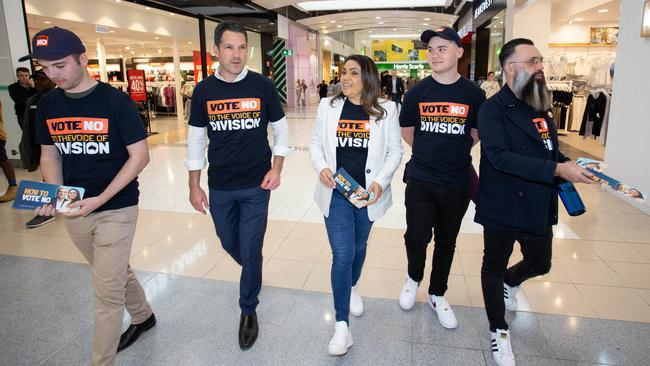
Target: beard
[531, 88]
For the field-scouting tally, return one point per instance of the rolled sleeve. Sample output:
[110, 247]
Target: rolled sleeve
[281, 137]
[196, 140]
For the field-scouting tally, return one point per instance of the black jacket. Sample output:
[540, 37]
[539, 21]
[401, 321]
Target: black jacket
[19, 95]
[399, 85]
[517, 173]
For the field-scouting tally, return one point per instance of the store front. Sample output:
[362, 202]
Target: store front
[488, 19]
[124, 36]
[579, 43]
[303, 63]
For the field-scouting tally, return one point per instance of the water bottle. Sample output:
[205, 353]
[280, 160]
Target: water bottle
[571, 199]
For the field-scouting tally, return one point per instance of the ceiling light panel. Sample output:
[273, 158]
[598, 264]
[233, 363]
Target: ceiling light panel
[366, 4]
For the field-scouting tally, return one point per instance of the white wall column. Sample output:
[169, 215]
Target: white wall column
[13, 45]
[533, 21]
[101, 57]
[627, 154]
[177, 81]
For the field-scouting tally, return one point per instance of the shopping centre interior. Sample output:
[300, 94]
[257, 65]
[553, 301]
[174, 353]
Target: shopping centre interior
[592, 308]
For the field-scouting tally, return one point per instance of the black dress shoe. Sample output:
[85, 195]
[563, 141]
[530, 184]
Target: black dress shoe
[248, 330]
[134, 331]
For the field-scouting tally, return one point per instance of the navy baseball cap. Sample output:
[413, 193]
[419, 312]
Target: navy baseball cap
[442, 32]
[53, 44]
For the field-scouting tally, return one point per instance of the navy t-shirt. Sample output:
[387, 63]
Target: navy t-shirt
[352, 137]
[443, 116]
[91, 134]
[236, 116]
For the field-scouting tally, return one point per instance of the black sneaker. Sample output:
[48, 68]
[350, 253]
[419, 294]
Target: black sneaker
[38, 221]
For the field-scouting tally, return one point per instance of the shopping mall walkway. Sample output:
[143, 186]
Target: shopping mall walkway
[592, 308]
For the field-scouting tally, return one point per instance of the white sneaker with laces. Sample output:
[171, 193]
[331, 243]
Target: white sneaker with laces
[341, 340]
[501, 348]
[446, 316]
[510, 297]
[356, 304]
[408, 294]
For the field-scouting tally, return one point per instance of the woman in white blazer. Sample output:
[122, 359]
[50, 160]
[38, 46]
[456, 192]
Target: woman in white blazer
[356, 131]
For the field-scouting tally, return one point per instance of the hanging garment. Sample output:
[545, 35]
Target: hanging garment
[594, 114]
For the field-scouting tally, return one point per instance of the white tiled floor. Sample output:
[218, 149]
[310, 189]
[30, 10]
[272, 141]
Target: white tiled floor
[604, 254]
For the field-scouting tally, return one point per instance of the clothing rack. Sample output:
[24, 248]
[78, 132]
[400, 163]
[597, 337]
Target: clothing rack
[563, 86]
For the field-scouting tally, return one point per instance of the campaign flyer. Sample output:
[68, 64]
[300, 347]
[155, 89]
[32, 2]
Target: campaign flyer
[597, 167]
[350, 189]
[35, 194]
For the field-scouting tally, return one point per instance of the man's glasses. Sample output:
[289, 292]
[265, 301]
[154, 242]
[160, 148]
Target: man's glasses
[533, 61]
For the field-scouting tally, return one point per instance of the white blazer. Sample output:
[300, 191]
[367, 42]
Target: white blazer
[384, 153]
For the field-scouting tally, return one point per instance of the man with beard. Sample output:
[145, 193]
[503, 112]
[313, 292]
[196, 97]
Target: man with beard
[517, 199]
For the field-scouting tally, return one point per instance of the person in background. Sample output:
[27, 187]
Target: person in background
[357, 131]
[395, 88]
[30, 151]
[490, 86]
[19, 92]
[322, 90]
[7, 168]
[304, 92]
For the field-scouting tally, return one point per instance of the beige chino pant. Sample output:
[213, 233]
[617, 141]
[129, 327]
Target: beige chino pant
[105, 239]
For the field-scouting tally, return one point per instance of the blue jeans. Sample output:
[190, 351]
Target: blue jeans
[348, 229]
[240, 220]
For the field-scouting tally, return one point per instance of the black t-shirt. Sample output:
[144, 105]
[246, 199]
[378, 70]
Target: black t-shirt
[443, 116]
[92, 133]
[236, 116]
[352, 137]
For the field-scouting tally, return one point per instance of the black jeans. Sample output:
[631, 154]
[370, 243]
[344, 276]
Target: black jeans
[442, 208]
[537, 252]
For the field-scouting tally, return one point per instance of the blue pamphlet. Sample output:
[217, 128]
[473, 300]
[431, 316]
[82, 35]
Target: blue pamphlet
[596, 168]
[350, 189]
[31, 195]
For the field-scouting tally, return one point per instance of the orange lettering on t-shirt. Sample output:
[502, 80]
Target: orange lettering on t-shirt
[233, 105]
[71, 125]
[444, 109]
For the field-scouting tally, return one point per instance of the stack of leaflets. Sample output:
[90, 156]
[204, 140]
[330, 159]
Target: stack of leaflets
[596, 167]
[31, 195]
[350, 189]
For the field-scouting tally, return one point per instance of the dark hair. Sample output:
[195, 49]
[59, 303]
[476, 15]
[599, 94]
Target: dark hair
[490, 73]
[75, 190]
[231, 27]
[22, 69]
[371, 87]
[508, 49]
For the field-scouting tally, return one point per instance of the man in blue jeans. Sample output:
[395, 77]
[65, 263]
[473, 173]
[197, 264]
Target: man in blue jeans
[235, 106]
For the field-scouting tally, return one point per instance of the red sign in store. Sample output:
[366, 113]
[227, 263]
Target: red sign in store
[137, 85]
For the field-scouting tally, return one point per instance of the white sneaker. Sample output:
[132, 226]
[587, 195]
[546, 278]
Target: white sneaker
[501, 348]
[356, 304]
[408, 294]
[446, 316]
[510, 297]
[341, 340]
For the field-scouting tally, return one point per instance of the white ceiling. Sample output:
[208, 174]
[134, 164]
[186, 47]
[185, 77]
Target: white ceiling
[142, 44]
[589, 13]
[325, 5]
[374, 22]
[362, 4]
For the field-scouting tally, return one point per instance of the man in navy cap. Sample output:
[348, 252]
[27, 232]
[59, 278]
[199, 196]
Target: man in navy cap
[92, 137]
[438, 119]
